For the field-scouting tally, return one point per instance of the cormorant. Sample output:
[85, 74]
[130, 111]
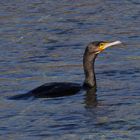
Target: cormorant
[56, 89]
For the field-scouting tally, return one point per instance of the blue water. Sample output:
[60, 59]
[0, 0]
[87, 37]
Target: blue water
[44, 41]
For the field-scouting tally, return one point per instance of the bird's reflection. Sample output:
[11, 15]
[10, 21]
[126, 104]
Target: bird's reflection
[90, 98]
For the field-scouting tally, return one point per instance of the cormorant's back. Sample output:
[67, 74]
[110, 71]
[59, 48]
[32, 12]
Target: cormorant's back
[50, 90]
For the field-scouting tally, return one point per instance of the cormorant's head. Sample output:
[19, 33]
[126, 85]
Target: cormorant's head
[92, 50]
[98, 46]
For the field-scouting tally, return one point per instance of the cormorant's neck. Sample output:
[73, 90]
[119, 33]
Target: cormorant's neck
[88, 64]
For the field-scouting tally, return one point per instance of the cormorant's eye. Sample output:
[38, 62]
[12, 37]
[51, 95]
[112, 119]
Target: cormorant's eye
[101, 44]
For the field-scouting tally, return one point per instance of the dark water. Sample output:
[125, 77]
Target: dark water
[43, 41]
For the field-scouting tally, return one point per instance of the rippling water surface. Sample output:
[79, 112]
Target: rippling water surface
[43, 41]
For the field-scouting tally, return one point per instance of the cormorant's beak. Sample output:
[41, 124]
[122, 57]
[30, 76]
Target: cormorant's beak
[105, 45]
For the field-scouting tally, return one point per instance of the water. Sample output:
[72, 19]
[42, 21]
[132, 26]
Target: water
[43, 41]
